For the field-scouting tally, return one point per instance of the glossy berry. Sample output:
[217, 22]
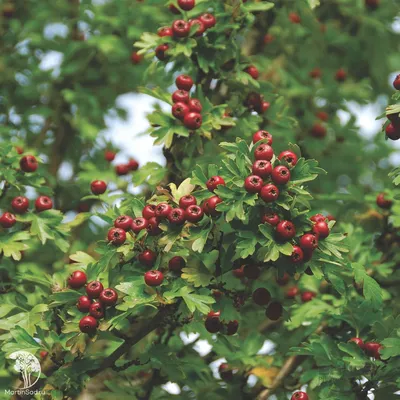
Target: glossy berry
[261, 135]
[308, 242]
[372, 349]
[83, 304]
[225, 372]
[396, 82]
[269, 193]
[161, 51]
[138, 224]
[163, 210]
[208, 20]
[280, 175]
[392, 131]
[28, 164]
[88, 324]
[321, 230]
[297, 255]
[77, 279]
[289, 157]
[285, 230]
[147, 258]
[20, 204]
[98, 187]
[262, 168]
[186, 201]
[180, 28]
[96, 310]
[109, 155]
[341, 75]
[164, 31]
[318, 218]
[261, 296]
[195, 106]
[198, 25]
[123, 222]
[359, 342]
[194, 213]
[307, 296]
[116, 236]
[108, 297]
[180, 96]
[232, 327]
[43, 203]
[213, 182]
[251, 271]
[294, 18]
[299, 396]
[383, 202]
[253, 184]
[122, 169]
[186, 5]
[132, 164]
[318, 131]
[177, 216]
[252, 71]
[212, 322]
[149, 211]
[193, 120]
[210, 206]
[264, 152]
[270, 218]
[292, 292]
[184, 82]
[7, 220]
[176, 264]
[274, 311]
[153, 278]
[153, 228]
[93, 289]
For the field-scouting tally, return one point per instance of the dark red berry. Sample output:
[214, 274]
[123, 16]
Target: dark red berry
[198, 25]
[251, 271]
[213, 182]
[122, 169]
[299, 396]
[163, 210]
[147, 258]
[253, 184]
[212, 322]
[83, 304]
[232, 327]
[292, 292]
[282, 281]
[396, 82]
[43, 203]
[252, 71]
[307, 296]
[153, 278]
[372, 349]
[180, 96]
[262, 168]
[261, 296]
[116, 236]
[109, 155]
[269, 193]
[176, 264]
[179, 110]
[318, 131]
[285, 230]
[264, 152]
[176, 216]
[297, 255]
[359, 342]
[274, 311]
[184, 82]
[318, 218]
[173, 9]
[20, 204]
[194, 213]
[289, 157]
[341, 75]
[195, 106]
[193, 120]
[164, 31]
[392, 131]
[96, 310]
[383, 202]
[123, 222]
[321, 230]
[315, 73]
[132, 164]
[186, 5]
[77, 280]
[7, 220]
[225, 372]
[280, 175]
[98, 187]
[261, 135]
[186, 201]
[208, 20]
[108, 297]
[210, 206]
[28, 164]
[138, 224]
[153, 228]
[161, 51]
[149, 211]
[88, 324]
[180, 28]
[93, 289]
[308, 242]
[270, 218]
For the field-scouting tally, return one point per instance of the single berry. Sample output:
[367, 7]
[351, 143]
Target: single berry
[294, 18]
[7, 220]
[176, 264]
[77, 279]
[184, 82]
[318, 131]
[341, 75]
[289, 157]
[153, 278]
[123, 222]
[396, 82]
[292, 292]
[268, 38]
[322, 115]
[211, 204]
[274, 311]
[285, 230]
[28, 164]
[212, 322]
[132, 164]
[161, 50]
[93, 289]
[318, 218]
[43, 354]
[282, 281]
[195, 105]
[307, 296]
[96, 310]
[297, 255]
[149, 211]
[252, 71]
[308, 242]
[262, 168]
[180, 28]
[164, 31]
[383, 202]
[299, 396]
[253, 184]
[225, 372]
[261, 135]
[98, 187]
[269, 193]
[208, 20]
[264, 152]
[192, 120]
[122, 169]
[138, 224]
[176, 216]
[19, 149]
[239, 272]
[180, 96]
[153, 228]
[88, 324]
[136, 58]
[109, 155]
[232, 327]
[265, 106]
[280, 175]
[315, 73]
[186, 201]
[147, 257]
[186, 5]
[270, 218]
[359, 342]
[163, 210]
[20, 204]
[116, 236]
[83, 304]
[213, 182]
[392, 131]
[179, 110]
[372, 349]
[108, 297]
[251, 271]
[43, 203]
[199, 26]
[261, 296]
[321, 230]
[194, 213]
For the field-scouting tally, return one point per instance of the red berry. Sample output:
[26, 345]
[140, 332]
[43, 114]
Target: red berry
[268, 38]
[195, 106]
[28, 164]
[286, 230]
[251, 271]
[173, 9]
[270, 218]
[108, 297]
[321, 230]
[153, 278]
[180, 28]
[262, 168]
[132, 164]
[211, 204]
[382, 202]
[232, 327]
[264, 152]
[123, 222]
[297, 255]
[282, 281]
[315, 73]
[292, 292]
[116, 236]
[192, 120]
[19, 149]
[163, 210]
[180, 96]
[93, 289]
[330, 218]
[186, 5]
[274, 311]
[161, 50]
[341, 75]
[7, 220]
[372, 349]
[299, 396]
[261, 296]
[177, 216]
[149, 211]
[208, 20]
[186, 201]
[396, 82]
[136, 58]
[252, 71]
[318, 218]
[198, 24]
[261, 135]
[96, 310]
[98, 187]
[122, 169]
[322, 115]
[269, 193]
[83, 304]
[225, 372]
[77, 279]
[280, 175]
[392, 131]
[43, 203]
[289, 157]
[139, 224]
[164, 31]
[253, 184]
[359, 342]
[184, 82]
[213, 323]
[153, 228]
[179, 110]
[239, 272]
[109, 155]
[308, 242]
[194, 213]
[307, 296]
[20, 204]
[265, 106]
[213, 182]
[294, 18]
[176, 264]
[88, 324]
[318, 131]
[147, 258]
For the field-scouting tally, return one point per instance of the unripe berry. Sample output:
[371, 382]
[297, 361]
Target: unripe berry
[253, 184]
[280, 175]
[260, 135]
[28, 164]
[289, 157]
[264, 152]
[214, 182]
[88, 324]
[269, 193]
[116, 236]
[77, 279]
[285, 230]
[153, 278]
[98, 187]
[192, 120]
[308, 242]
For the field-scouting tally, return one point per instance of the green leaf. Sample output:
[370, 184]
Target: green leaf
[11, 244]
[391, 348]
[196, 301]
[197, 275]
[371, 289]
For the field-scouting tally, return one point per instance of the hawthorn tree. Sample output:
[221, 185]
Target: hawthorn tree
[271, 232]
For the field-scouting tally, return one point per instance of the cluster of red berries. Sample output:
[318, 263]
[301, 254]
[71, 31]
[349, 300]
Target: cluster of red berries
[306, 296]
[186, 109]
[383, 202]
[94, 302]
[372, 349]
[256, 102]
[121, 169]
[274, 309]
[181, 28]
[393, 129]
[20, 205]
[213, 324]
